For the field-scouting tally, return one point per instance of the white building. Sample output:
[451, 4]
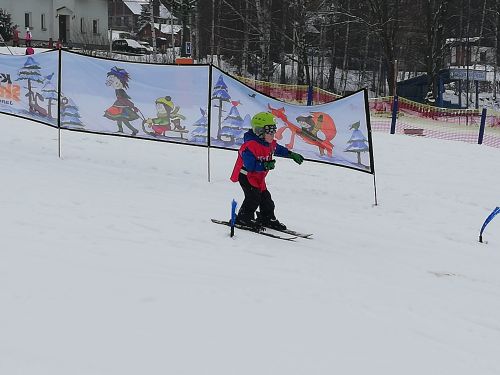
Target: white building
[67, 20]
[124, 14]
[478, 53]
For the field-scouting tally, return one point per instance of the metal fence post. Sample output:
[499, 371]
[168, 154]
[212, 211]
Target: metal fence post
[395, 107]
[481, 127]
[310, 92]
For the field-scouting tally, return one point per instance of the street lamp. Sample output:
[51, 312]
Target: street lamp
[187, 6]
[184, 7]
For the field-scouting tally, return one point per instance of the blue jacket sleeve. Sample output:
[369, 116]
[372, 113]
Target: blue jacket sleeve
[250, 162]
[281, 151]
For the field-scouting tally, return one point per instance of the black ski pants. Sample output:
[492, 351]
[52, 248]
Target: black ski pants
[254, 198]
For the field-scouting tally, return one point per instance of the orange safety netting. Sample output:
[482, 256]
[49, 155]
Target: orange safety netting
[415, 119]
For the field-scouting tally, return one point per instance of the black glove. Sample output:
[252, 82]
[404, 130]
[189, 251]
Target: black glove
[298, 158]
[268, 165]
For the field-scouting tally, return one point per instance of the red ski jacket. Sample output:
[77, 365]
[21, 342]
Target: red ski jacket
[251, 157]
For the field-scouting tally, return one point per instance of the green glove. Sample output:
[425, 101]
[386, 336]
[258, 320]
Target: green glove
[298, 158]
[268, 165]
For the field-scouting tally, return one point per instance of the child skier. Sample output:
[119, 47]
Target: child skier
[28, 37]
[255, 160]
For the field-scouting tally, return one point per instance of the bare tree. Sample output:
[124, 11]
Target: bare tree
[435, 13]
[385, 17]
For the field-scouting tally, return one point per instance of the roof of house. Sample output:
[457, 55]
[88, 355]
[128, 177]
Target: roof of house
[135, 7]
[165, 28]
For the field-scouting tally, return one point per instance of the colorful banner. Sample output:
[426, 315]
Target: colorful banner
[161, 102]
[28, 86]
[170, 103]
[336, 133]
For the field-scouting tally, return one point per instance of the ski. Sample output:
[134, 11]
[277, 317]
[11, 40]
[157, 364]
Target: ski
[258, 231]
[289, 231]
[295, 233]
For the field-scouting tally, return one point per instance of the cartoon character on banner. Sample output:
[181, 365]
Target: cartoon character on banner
[123, 110]
[315, 128]
[168, 118]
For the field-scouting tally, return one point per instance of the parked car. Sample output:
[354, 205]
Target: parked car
[128, 45]
[146, 45]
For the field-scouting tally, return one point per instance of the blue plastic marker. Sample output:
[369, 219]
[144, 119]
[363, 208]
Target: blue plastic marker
[233, 216]
[486, 222]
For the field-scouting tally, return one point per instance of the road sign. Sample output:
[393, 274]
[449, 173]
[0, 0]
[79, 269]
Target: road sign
[474, 75]
[188, 48]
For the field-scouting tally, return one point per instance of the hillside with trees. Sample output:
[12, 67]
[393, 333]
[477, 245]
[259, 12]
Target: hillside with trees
[323, 42]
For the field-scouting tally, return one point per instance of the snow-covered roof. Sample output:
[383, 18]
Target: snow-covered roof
[135, 7]
[312, 29]
[165, 28]
[165, 13]
[462, 40]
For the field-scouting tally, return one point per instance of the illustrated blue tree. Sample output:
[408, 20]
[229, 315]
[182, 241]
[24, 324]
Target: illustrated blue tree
[200, 131]
[221, 94]
[49, 92]
[30, 72]
[232, 126]
[70, 116]
[358, 142]
[247, 125]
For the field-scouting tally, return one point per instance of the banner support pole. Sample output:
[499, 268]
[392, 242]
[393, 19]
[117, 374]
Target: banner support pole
[375, 188]
[369, 129]
[59, 102]
[209, 114]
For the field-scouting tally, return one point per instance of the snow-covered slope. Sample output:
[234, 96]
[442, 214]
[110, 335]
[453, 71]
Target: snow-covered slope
[109, 263]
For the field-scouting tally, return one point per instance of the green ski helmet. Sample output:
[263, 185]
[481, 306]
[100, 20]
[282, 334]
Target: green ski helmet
[263, 122]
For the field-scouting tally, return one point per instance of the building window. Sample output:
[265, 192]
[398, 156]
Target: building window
[27, 20]
[482, 56]
[95, 26]
[82, 25]
[42, 21]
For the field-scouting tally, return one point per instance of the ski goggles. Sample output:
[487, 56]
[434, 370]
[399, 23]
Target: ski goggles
[270, 129]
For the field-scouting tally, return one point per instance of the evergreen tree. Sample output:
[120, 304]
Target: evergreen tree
[5, 25]
[49, 92]
[70, 116]
[233, 124]
[358, 142]
[200, 131]
[30, 72]
[220, 93]
[145, 16]
[247, 123]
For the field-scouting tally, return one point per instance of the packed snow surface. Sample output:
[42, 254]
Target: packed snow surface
[109, 264]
